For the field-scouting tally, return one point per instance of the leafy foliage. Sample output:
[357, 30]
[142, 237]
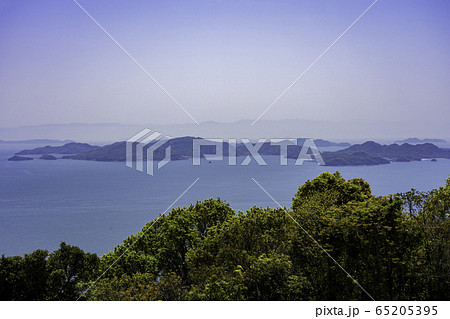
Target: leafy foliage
[397, 247]
[44, 276]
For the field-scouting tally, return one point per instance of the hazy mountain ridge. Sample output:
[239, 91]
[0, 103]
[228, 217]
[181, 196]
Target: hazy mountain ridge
[415, 140]
[347, 130]
[37, 141]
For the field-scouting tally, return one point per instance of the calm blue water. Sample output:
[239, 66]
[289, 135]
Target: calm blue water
[96, 205]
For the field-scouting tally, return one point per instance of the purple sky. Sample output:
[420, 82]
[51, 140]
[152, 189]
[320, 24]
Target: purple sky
[223, 61]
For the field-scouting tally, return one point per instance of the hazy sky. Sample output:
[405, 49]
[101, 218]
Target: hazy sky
[223, 60]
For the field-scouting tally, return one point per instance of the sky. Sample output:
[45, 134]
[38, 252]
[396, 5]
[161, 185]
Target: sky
[223, 61]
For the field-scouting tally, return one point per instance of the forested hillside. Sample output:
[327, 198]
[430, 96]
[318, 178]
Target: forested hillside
[396, 247]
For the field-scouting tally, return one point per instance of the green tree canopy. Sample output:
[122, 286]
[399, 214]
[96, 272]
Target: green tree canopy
[396, 247]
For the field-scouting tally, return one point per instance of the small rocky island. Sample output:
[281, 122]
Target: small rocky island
[47, 157]
[17, 158]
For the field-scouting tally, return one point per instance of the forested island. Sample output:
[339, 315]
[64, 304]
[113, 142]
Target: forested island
[17, 158]
[368, 153]
[68, 148]
[397, 247]
[371, 153]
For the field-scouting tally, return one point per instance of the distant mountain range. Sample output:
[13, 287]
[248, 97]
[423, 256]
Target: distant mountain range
[415, 140]
[356, 130]
[368, 153]
[37, 141]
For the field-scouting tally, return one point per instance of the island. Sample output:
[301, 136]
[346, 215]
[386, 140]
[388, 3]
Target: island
[181, 149]
[47, 157]
[17, 158]
[353, 159]
[116, 152]
[69, 148]
[368, 153]
[372, 153]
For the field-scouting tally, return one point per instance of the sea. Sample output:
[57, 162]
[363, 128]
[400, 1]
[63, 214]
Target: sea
[96, 205]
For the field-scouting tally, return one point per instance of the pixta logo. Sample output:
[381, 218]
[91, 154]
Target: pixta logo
[243, 147]
[149, 141]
